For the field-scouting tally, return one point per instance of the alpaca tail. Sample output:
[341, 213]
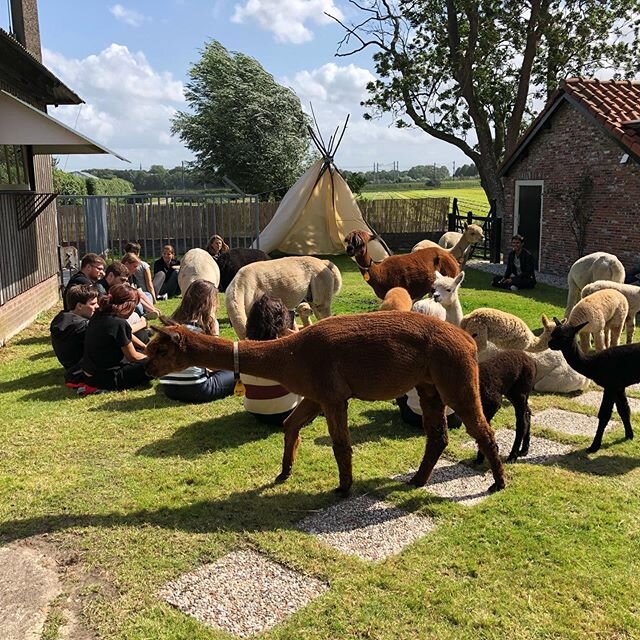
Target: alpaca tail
[541, 342]
[236, 309]
[337, 276]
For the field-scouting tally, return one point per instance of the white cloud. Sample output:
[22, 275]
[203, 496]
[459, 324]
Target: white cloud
[287, 20]
[128, 16]
[128, 107]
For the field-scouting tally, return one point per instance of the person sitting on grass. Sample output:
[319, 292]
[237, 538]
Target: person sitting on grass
[265, 399]
[197, 311]
[91, 270]
[165, 274]
[131, 263]
[216, 246]
[68, 330]
[520, 272]
[141, 277]
[110, 359]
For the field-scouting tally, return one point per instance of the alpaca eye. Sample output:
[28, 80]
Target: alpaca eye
[449, 290]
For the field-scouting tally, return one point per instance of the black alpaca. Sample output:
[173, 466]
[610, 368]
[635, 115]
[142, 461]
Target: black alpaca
[512, 374]
[230, 262]
[613, 369]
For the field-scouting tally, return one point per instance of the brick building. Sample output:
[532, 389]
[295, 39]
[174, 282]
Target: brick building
[29, 267]
[574, 178]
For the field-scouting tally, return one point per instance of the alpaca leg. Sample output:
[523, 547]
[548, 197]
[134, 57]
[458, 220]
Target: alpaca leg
[631, 327]
[585, 342]
[600, 339]
[622, 404]
[523, 425]
[304, 413]
[435, 426]
[336, 416]
[615, 333]
[489, 408]
[604, 415]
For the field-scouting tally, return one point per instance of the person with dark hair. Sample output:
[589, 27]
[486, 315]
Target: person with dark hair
[216, 246]
[267, 400]
[139, 271]
[91, 270]
[68, 330]
[115, 273]
[110, 360]
[197, 311]
[520, 272]
[165, 274]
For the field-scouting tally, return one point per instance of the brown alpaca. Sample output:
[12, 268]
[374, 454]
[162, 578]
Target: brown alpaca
[413, 271]
[397, 299]
[371, 356]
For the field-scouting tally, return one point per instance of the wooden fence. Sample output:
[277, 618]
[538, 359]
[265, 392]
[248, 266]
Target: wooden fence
[405, 215]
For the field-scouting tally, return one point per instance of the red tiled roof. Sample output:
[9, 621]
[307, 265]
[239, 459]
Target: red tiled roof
[613, 104]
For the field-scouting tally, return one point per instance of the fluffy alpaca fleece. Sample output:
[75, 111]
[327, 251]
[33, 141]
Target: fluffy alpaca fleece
[459, 244]
[589, 268]
[505, 330]
[445, 291]
[415, 272]
[613, 369]
[629, 291]
[370, 356]
[292, 279]
[603, 314]
[197, 264]
[231, 261]
[429, 307]
[397, 299]
[511, 374]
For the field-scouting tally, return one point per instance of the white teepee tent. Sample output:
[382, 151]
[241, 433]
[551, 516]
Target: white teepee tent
[317, 212]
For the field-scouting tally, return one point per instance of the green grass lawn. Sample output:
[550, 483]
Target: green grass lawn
[138, 490]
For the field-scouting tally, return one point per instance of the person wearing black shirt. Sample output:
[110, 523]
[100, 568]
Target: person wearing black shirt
[520, 272]
[165, 274]
[110, 360]
[91, 270]
[68, 330]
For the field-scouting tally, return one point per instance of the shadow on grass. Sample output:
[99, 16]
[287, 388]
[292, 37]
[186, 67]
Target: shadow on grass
[44, 340]
[48, 378]
[217, 434]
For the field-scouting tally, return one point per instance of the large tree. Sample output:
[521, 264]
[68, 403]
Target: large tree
[242, 123]
[470, 72]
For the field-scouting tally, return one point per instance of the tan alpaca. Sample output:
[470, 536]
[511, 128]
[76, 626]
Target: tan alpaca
[459, 244]
[304, 312]
[370, 356]
[505, 330]
[605, 312]
[397, 299]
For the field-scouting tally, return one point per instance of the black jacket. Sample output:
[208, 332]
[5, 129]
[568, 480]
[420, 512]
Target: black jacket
[526, 265]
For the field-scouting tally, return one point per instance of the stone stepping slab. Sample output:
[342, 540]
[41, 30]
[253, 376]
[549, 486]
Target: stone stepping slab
[367, 528]
[541, 450]
[456, 482]
[594, 399]
[243, 593]
[576, 424]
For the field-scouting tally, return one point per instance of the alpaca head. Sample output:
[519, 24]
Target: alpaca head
[563, 334]
[356, 242]
[304, 311]
[167, 352]
[473, 233]
[445, 289]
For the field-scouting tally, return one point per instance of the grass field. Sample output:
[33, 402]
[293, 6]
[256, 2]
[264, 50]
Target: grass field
[134, 490]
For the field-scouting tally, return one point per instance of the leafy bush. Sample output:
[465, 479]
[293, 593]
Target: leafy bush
[113, 187]
[67, 184]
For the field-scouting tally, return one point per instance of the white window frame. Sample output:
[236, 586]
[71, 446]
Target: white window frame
[516, 211]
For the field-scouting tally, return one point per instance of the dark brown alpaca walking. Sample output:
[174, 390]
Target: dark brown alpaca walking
[371, 356]
[415, 272]
[613, 369]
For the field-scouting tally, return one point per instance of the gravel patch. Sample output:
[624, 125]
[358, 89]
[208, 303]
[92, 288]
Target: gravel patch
[541, 450]
[456, 482]
[576, 424]
[242, 593]
[594, 399]
[495, 269]
[367, 528]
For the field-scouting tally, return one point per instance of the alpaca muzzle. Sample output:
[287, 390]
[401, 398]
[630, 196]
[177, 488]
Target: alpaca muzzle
[351, 250]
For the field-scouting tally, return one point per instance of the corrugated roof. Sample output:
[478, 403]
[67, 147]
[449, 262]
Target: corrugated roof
[612, 104]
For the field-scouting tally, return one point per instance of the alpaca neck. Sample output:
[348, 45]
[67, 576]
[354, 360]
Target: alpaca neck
[454, 312]
[576, 359]
[538, 343]
[364, 261]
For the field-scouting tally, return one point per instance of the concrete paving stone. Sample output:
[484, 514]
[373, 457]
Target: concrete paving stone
[594, 398]
[243, 593]
[541, 450]
[576, 424]
[367, 528]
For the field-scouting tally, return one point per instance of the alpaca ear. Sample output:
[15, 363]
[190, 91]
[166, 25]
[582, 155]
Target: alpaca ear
[438, 275]
[558, 323]
[459, 278]
[582, 325]
[465, 226]
[176, 336]
[546, 323]
[167, 322]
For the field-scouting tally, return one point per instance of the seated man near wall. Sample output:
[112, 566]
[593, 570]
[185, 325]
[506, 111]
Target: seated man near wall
[68, 329]
[520, 273]
[91, 270]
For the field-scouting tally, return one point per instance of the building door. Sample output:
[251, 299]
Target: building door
[528, 215]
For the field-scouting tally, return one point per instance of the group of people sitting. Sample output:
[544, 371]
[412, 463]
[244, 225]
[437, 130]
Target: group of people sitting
[101, 334]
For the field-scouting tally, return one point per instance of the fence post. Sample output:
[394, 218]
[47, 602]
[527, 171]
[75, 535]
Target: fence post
[257, 240]
[496, 239]
[469, 217]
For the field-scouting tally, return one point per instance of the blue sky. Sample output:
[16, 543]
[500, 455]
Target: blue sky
[129, 62]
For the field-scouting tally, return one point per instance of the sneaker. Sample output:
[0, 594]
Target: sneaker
[513, 287]
[163, 296]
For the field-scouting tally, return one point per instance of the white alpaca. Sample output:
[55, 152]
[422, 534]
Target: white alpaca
[292, 279]
[595, 266]
[605, 311]
[459, 244]
[554, 375]
[445, 291]
[429, 307]
[197, 264]
[505, 330]
[629, 291]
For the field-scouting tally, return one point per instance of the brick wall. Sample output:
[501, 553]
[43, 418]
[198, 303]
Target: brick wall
[22, 310]
[560, 155]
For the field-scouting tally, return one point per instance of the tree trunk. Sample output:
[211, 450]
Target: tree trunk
[492, 184]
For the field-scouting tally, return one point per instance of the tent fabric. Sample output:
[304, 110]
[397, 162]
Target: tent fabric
[315, 216]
